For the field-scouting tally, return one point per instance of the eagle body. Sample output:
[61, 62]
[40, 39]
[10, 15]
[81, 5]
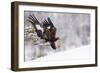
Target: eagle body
[45, 30]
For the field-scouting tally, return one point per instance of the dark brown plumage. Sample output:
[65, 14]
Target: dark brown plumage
[49, 30]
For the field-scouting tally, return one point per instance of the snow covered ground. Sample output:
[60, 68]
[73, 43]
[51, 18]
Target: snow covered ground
[81, 55]
[73, 54]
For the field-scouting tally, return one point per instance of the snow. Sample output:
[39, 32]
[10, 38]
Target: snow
[73, 54]
[81, 55]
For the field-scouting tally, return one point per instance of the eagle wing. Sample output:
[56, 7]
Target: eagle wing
[34, 21]
[50, 33]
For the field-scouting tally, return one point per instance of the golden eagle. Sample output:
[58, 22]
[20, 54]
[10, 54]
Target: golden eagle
[45, 30]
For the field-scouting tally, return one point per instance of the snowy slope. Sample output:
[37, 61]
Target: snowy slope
[73, 54]
[82, 55]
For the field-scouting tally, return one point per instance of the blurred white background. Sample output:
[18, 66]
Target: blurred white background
[5, 36]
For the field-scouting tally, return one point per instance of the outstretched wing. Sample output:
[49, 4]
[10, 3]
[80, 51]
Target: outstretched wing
[50, 33]
[34, 21]
[47, 23]
[36, 24]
